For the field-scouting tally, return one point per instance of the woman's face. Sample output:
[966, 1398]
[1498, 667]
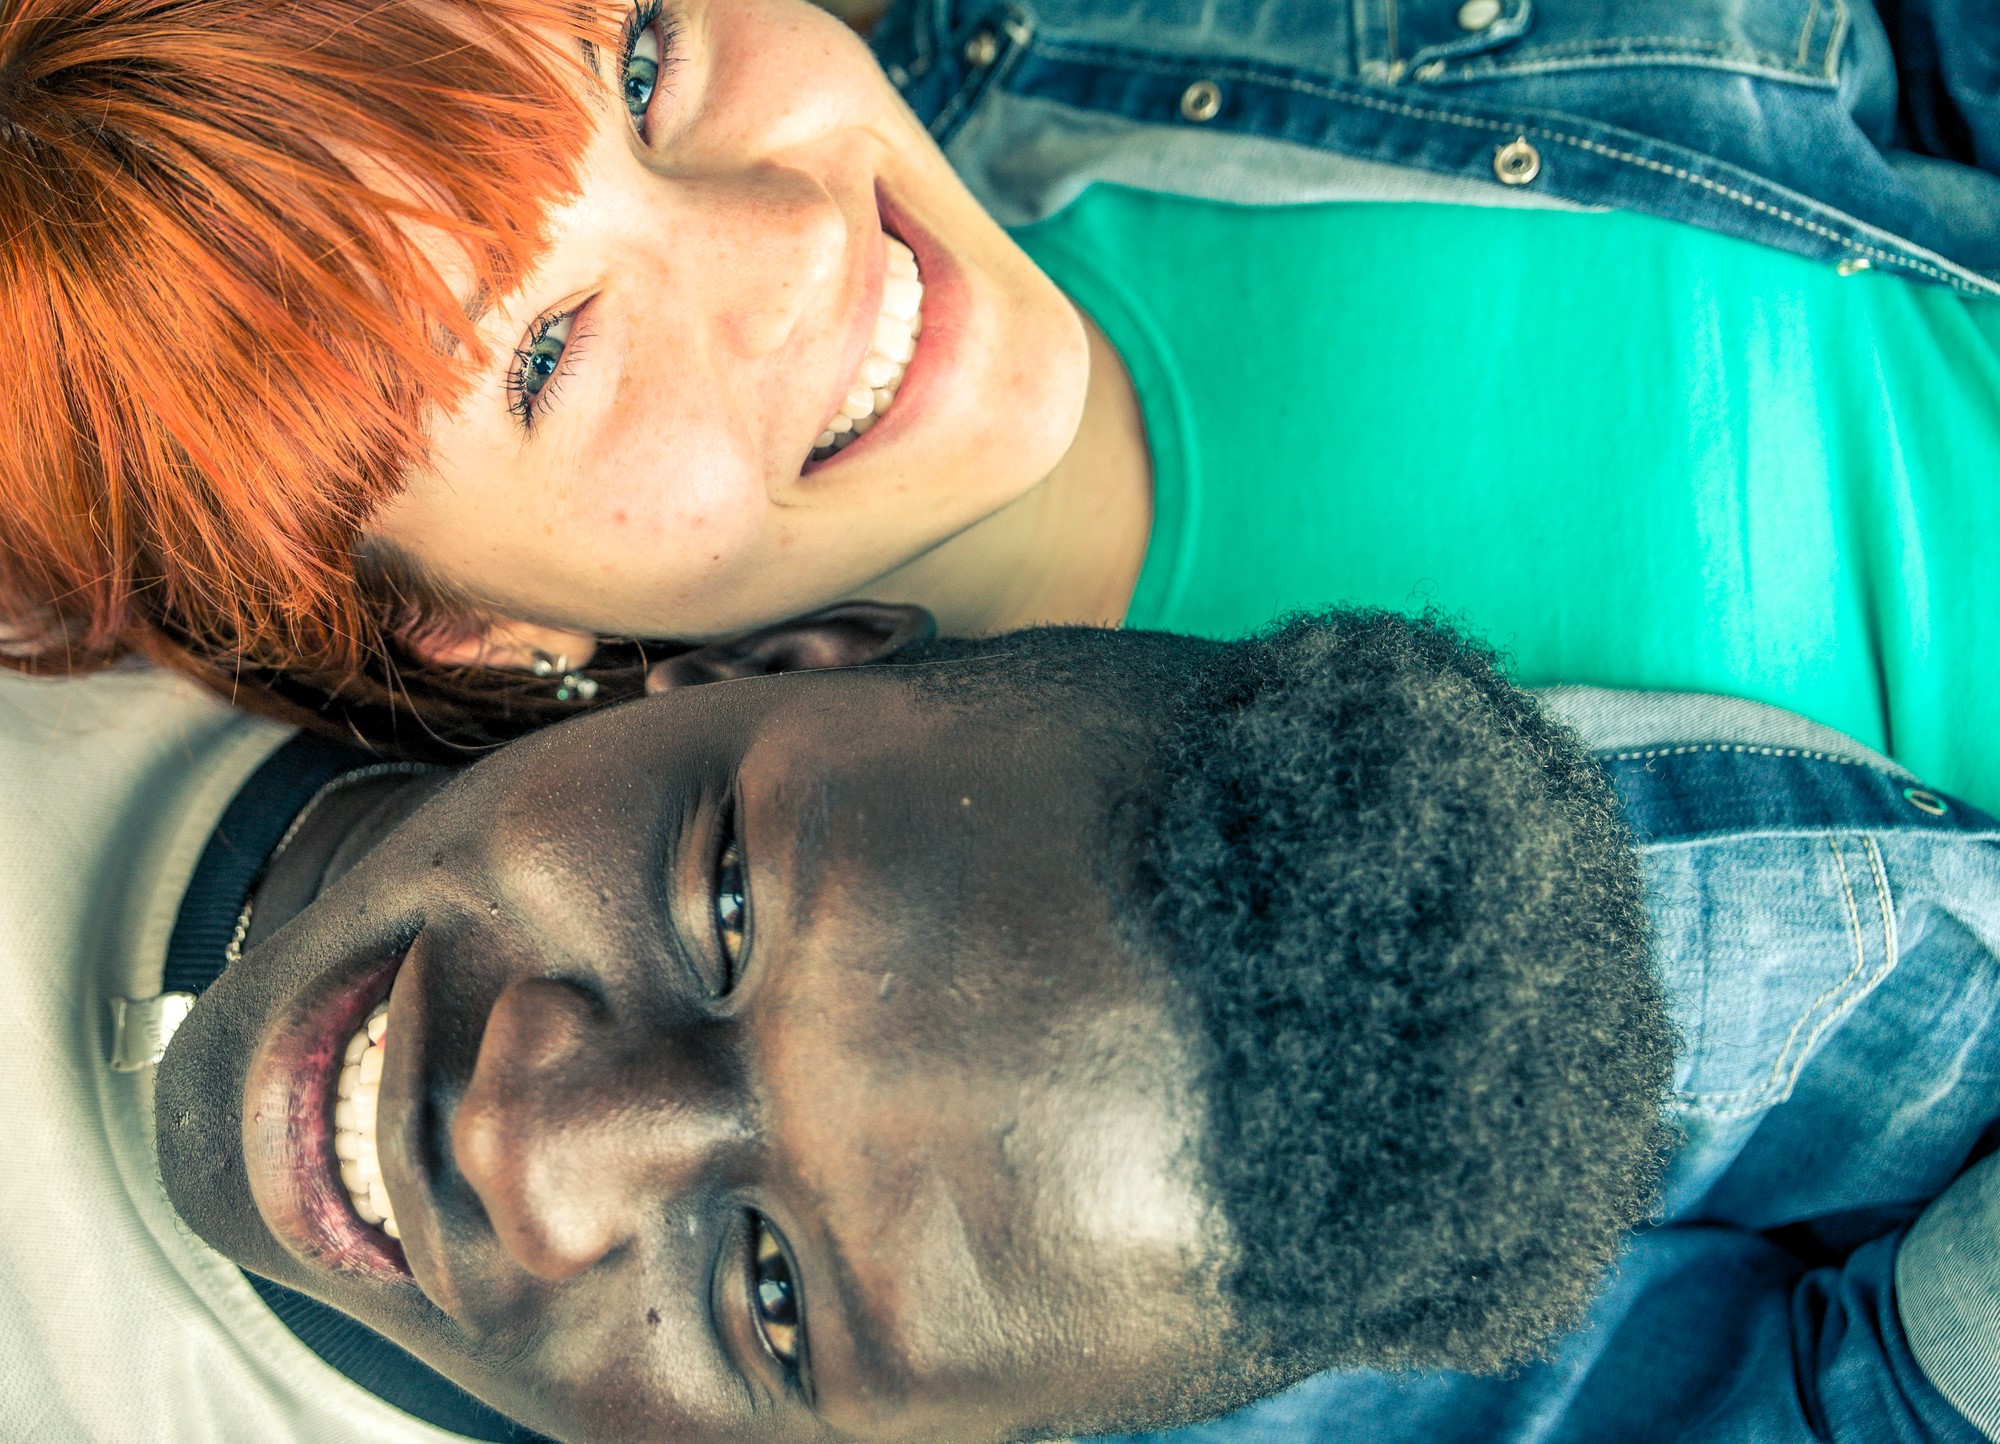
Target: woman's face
[644, 451]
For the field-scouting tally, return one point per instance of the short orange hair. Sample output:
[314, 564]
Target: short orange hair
[224, 338]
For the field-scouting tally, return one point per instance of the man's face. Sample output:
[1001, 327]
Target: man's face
[762, 1061]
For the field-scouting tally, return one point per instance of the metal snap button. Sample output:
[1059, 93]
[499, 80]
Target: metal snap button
[1517, 162]
[1478, 14]
[1926, 801]
[982, 49]
[1201, 101]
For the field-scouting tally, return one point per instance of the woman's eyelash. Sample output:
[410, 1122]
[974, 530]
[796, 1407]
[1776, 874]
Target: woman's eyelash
[640, 76]
[537, 369]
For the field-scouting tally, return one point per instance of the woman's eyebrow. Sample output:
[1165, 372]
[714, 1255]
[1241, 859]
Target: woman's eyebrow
[475, 305]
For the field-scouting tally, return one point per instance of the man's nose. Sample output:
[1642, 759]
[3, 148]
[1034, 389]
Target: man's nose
[578, 1128]
[782, 252]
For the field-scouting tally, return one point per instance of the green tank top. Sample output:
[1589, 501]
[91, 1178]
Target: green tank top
[1625, 451]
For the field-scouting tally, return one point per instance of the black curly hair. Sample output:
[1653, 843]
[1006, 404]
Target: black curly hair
[1404, 924]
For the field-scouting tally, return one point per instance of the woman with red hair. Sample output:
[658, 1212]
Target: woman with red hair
[394, 367]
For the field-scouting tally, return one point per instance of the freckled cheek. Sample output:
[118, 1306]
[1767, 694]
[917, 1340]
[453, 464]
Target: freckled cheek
[697, 518]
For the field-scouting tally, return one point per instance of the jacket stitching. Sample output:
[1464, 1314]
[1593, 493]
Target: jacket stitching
[1773, 1083]
[1742, 64]
[1836, 39]
[1764, 207]
[1744, 747]
[1885, 904]
[1805, 33]
[1682, 44]
[1778, 1087]
[1414, 112]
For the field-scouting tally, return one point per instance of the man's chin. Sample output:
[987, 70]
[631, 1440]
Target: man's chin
[198, 1113]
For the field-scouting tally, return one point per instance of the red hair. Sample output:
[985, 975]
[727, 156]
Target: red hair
[225, 332]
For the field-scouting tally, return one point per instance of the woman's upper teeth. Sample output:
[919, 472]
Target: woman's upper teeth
[889, 350]
[354, 1115]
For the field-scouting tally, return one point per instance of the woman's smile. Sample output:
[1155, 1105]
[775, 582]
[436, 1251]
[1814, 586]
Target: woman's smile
[767, 268]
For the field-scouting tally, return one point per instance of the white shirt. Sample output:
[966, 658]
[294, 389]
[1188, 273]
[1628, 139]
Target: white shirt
[116, 1322]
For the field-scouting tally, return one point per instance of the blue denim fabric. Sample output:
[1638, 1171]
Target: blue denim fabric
[1827, 931]
[1811, 125]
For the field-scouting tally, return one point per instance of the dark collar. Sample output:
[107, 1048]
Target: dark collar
[251, 829]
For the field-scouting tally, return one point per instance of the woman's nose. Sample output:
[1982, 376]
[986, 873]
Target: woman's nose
[578, 1130]
[780, 258]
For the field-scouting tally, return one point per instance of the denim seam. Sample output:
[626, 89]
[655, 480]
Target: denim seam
[1885, 904]
[1762, 206]
[1411, 112]
[1741, 65]
[1835, 999]
[1677, 46]
[1745, 747]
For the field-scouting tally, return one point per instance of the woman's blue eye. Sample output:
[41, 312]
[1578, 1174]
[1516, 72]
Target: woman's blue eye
[646, 53]
[536, 365]
[642, 74]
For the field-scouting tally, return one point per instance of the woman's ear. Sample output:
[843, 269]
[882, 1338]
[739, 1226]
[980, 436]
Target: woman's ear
[505, 643]
[852, 634]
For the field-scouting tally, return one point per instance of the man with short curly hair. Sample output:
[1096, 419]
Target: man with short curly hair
[1074, 1031]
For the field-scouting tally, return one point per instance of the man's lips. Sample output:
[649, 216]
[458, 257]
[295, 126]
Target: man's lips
[402, 1134]
[288, 1128]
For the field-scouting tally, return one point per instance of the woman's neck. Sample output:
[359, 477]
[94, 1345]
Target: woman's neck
[1069, 550]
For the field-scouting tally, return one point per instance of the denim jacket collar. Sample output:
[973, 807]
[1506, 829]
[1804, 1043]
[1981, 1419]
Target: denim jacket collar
[1771, 120]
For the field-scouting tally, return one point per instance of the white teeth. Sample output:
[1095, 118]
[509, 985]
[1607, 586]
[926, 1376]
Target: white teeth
[894, 339]
[902, 296]
[355, 1099]
[894, 343]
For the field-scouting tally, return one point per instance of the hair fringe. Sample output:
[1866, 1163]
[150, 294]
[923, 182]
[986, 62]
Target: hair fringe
[221, 220]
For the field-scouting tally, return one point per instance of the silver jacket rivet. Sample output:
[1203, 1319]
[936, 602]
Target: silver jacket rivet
[1478, 14]
[1201, 101]
[1517, 162]
[982, 49]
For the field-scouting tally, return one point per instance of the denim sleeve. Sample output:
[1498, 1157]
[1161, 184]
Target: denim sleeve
[1948, 1294]
[1948, 70]
[1708, 1335]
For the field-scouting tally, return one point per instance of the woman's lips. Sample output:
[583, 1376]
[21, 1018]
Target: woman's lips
[288, 1129]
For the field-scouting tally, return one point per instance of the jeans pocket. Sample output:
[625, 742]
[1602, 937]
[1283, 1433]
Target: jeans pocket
[1766, 943]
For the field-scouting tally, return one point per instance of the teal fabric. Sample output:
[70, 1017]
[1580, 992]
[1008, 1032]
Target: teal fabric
[1628, 452]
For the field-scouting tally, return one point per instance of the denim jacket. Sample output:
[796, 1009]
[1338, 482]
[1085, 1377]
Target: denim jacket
[1865, 133]
[1828, 932]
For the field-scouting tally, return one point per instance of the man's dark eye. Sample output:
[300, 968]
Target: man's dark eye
[777, 1301]
[731, 907]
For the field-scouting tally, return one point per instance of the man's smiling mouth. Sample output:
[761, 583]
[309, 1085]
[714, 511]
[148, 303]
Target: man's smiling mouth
[356, 1094]
[293, 1121]
[897, 327]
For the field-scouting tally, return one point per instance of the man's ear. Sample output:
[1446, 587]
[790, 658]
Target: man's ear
[851, 634]
[503, 642]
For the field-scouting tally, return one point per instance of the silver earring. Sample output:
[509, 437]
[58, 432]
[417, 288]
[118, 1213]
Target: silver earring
[573, 684]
